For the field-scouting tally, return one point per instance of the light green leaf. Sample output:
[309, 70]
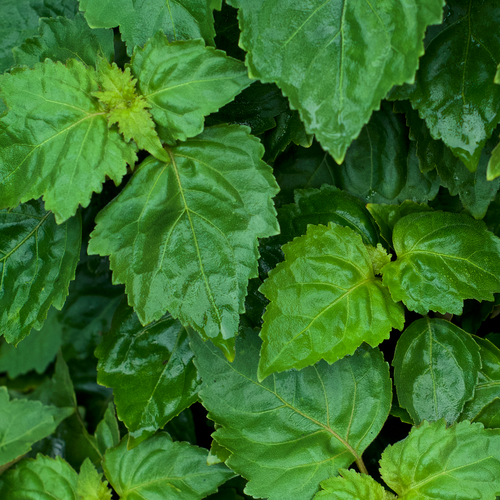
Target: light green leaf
[19, 20]
[454, 90]
[493, 170]
[182, 235]
[55, 139]
[352, 486]
[360, 51]
[150, 369]
[34, 352]
[160, 468]
[325, 302]
[139, 20]
[442, 259]
[23, 423]
[37, 261]
[61, 39]
[89, 485]
[107, 433]
[295, 429]
[488, 383]
[436, 366]
[434, 463]
[185, 81]
[378, 256]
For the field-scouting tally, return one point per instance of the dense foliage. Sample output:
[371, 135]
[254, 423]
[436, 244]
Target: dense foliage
[249, 249]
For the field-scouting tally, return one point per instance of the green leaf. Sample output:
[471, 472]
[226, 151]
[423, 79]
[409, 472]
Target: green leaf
[107, 432]
[488, 383]
[434, 463]
[55, 139]
[436, 366]
[454, 90]
[34, 352]
[295, 429]
[493, 170]
[489, 416]
[192, 252]
[61, 39]
[442, 259]
[160, 467]
[37, 261]
[139, 20]
[185, 81]
[150, 369]
[89, 485]
[360, 51]
[352, 486]
[325, 302]
[23, 423]
[19, 20]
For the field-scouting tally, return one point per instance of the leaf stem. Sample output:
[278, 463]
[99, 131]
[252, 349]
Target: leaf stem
[361, 466]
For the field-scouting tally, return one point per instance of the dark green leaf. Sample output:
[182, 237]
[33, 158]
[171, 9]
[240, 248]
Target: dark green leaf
[107, 433]
[62, 39]
[489, 416]
[436, 366]
[192, 251]
[360, 51]
[150, 370]
[442, 259]
[159, 467]
[295, 429]
[325, 301]
[37, 261]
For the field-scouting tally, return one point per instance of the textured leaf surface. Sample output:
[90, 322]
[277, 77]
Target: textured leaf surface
[454, 90]
[185, 81]
[442, 259]
[61, 39]
[192, 250]
[89, 485]
[434, 462]
[55, 140]
[436, 366]
[160, 467]
[325, 302]
[294, 429]
[352, 486]
[19, 20]
[488, 383]
[343, 40]
[139, 20]
[150, 370]
[37, 261]
[23, 423]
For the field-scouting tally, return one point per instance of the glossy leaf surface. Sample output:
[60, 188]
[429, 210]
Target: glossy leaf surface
[141, 19]
[182, 236]
[436, 366]
[325, 302]
[185, 81]
[442, 259]
[294, 429]
[150, 370]
[454, 90]
[61, 39]
[488, 383]
[37, 261]
[346, 38]
[160, 467]
[352, 486]
[434, 462]
[55, 139]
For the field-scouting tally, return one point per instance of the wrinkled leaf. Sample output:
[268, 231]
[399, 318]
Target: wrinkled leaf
[192, 251]
[61, 39]
[150, 370]
[159, 467]
[295, 429]
[37, 261]
[183, 82]
[434, 463]
[360, 51]
[442, 259]
[325, 302]
[436, 366]
[55, 139]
